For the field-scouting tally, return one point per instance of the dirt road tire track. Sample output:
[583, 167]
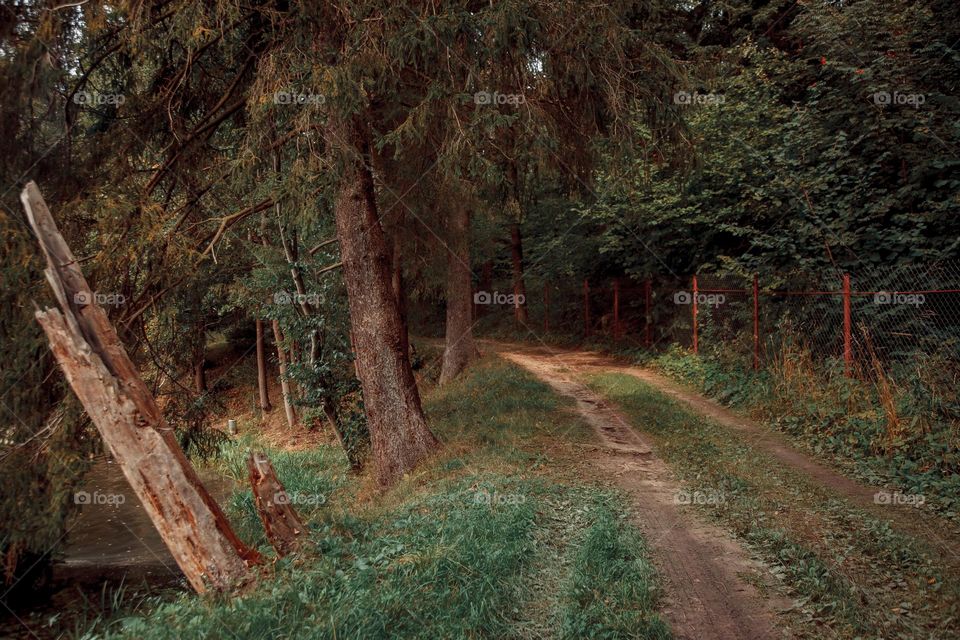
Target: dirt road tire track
[703, 567]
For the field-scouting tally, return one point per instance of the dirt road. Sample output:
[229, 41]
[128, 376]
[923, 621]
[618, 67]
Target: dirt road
[709, 578]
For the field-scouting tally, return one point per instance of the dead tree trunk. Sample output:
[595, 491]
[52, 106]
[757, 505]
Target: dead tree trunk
[264, 391]
[399, 434]
[459, 348]
[108, 385]
[281, 523]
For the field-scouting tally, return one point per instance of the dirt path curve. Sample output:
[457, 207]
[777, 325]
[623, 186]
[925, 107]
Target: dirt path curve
[939, 534]
[708, 595]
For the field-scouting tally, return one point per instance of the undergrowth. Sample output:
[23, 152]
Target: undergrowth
[898, 426]
[846, 568]
[456, 550]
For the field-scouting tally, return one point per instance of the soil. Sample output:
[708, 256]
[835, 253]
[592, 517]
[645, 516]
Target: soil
[937, 533]
[710, 580]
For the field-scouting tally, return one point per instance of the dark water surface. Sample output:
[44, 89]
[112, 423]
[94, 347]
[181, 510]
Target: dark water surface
[111, 545]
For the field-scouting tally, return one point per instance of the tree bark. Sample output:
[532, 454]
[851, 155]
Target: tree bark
[394, 210]
[281, 523]
[199, 377]
[111, 390]
[399, 434]
[290, 253]
[285, 390]
[460, 347]
[397, 284]
[519, 288]
[486, 285]
[199, 358]
[264, 391]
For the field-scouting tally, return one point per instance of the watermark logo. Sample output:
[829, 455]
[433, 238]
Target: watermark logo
[110, 499]
[687, 98]
[495, 297]
[703, 299]
[84, 298]
[709, 497]
[895, 497]
[887, 297]
[486, 97]
[496, 498]
[885, 98]
[300, 499]
[98, 99]
[284, 297]
[293, 97]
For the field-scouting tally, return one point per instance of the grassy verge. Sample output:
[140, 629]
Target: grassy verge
[898, 428]
[852, 576]
[486, 540]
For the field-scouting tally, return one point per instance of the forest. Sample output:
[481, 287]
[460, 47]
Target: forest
[480, 319]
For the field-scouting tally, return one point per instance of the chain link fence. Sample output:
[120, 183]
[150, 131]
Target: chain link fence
[856, 319]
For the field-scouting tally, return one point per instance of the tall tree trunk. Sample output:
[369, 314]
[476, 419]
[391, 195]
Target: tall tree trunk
[290, 253]
[285, 390]
[199, 376]
[399, 434]
[486, 285]
[264, 392]
[519, 288]
[394, 210]
[397, 284]
[111, 390]
[199, 358]
[460, 347]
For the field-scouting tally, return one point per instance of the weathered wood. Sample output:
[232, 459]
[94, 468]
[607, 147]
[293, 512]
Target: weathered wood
[284, 528]
[111, 390]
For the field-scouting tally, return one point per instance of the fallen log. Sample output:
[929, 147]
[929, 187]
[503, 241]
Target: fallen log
[125, 413]
[283, 526]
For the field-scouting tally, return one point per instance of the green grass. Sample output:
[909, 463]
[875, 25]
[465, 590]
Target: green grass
[492, 539]
[841, 420]
[611, 575]
[846, 568]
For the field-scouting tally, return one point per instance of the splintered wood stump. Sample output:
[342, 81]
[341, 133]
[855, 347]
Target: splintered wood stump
[280, 520]
[124, 411]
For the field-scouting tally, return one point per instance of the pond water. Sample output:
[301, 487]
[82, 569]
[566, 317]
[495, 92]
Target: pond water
[111, 546]
[112, 528]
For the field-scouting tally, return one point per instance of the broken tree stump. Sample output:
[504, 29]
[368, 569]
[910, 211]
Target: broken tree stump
[280, 520]
[125, 413]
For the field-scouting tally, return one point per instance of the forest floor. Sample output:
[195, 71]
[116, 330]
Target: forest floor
[575, 495]
[857, 566]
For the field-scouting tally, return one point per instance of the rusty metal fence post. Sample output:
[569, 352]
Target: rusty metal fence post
[546, 307]
[647, 324]
[847, 337]
[696, 345]
[586, 308]
[756, 322]
[616, 308]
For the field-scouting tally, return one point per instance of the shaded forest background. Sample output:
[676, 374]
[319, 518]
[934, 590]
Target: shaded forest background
[185, 149]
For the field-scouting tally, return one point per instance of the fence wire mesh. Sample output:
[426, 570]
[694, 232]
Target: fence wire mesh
[856, 319]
